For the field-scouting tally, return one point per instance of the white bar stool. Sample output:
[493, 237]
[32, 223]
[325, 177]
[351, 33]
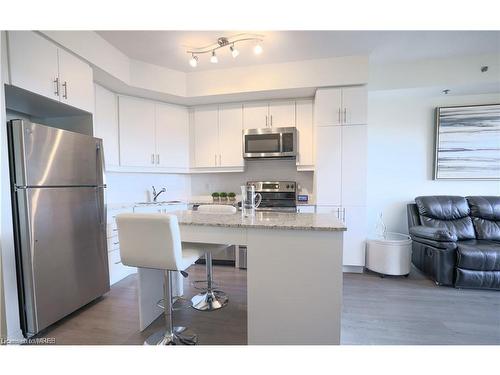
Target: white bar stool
[211, 298]
[154, 241]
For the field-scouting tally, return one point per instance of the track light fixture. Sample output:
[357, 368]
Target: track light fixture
[225, 42]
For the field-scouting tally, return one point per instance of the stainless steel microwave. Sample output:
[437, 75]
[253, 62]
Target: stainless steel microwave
[270, 143]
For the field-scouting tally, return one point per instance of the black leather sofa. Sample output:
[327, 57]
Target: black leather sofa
[456, 240]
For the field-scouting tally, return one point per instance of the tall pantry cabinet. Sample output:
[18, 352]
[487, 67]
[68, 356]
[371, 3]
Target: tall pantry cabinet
[341, 165]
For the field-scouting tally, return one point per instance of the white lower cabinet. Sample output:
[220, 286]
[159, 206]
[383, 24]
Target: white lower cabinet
[354, 218]
[355, 236]
[117, 271]
[306, 209]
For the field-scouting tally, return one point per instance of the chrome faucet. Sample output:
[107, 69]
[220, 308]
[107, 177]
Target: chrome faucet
[155, 194]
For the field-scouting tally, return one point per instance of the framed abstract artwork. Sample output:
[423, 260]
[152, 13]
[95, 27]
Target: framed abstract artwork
[467, 143]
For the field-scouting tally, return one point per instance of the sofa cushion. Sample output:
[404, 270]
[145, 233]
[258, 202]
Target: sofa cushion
[478, 255]
[485, 212]
[477, 279]
[447, 212]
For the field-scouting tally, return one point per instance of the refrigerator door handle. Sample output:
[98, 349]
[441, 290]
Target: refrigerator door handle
[100, 165]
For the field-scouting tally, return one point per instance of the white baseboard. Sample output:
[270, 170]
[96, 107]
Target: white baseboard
[353, 269]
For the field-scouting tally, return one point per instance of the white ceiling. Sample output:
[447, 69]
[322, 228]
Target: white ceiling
[168, 48]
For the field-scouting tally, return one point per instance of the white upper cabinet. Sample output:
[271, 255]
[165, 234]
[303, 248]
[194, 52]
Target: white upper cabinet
[230, 135]
[278, 114]
[39, 66]
[106, 124]
[137, 132]
[282, 113]
[341, 106]
[172, 136]
[33, 63]
[206, 137]
[355, 103]
[305, 134]
[328, 107]
[329, 165]
[256, 115]
[75, 78]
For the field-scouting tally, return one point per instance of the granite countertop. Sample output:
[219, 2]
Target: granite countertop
[267, 220]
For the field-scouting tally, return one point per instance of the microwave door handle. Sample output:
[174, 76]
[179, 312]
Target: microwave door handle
[281, 142]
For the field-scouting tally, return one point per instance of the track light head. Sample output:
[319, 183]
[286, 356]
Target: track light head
[193, 61]
[234, 51]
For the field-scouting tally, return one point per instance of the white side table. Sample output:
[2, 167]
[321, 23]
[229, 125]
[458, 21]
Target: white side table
[390, 255]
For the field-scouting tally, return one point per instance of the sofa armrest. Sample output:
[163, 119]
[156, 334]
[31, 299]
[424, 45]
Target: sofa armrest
[441, 245]
[434, 234]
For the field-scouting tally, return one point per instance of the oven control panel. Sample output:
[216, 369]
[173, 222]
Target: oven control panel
[273, 186]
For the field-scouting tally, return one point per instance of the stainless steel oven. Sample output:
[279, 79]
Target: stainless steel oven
[270, 143]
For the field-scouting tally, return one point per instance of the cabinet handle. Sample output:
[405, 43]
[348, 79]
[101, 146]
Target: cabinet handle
[339, 111]
[345, 115]
[343, 215]
[56, 83]
[157, 158]
[215, 159]
[220, 162]
[266, 121]
[271, 121]
[152, 158]
[65, 91]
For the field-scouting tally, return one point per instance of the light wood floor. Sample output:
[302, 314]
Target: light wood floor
[375, 311]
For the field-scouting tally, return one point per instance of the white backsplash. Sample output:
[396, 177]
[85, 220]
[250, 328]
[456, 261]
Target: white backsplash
[258, 170]
[136, 187]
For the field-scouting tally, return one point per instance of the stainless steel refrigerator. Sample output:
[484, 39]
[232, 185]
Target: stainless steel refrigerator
[60, 221]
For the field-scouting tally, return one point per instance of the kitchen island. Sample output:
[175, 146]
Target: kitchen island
[294, 274]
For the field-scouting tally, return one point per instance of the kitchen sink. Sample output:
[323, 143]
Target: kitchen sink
[156, 203]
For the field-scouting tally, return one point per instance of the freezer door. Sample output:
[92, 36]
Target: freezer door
[63, 251]
[46, 156]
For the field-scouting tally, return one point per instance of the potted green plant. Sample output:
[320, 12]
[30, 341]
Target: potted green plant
[216, 196]
[231, 196]
[223, 196]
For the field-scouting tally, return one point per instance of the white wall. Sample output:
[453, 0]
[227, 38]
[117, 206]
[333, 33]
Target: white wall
[2, 121]
[136, 187]
[401, 152]
[6, 233]
[270, 170]
[337, 71]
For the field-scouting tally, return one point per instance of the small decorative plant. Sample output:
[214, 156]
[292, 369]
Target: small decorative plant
[223, 195]
[232, 196]
[216, 196]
